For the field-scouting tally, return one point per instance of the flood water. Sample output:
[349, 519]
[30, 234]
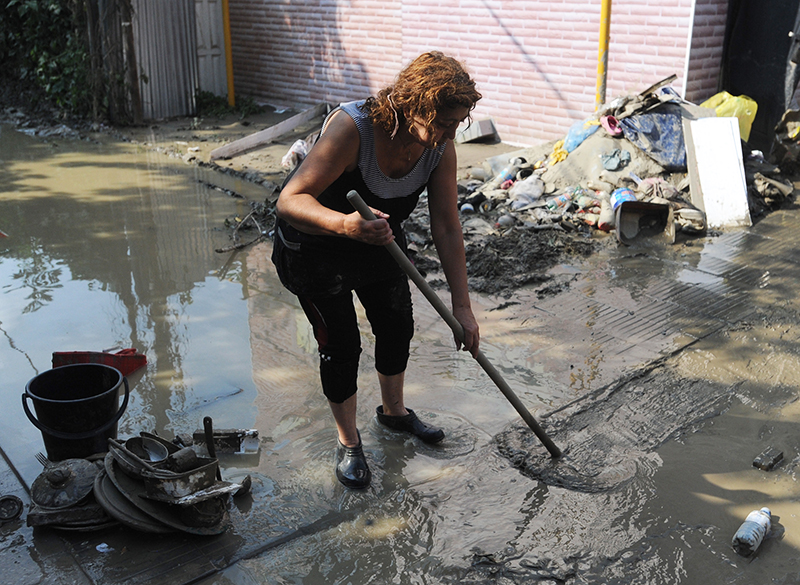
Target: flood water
[109, 246]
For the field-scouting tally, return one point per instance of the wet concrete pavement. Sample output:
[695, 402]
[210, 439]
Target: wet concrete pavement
[224, 339]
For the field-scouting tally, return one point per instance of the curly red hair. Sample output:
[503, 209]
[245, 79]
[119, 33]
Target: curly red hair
[430, 83]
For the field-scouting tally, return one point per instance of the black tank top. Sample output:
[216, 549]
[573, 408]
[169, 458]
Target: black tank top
[323, 265]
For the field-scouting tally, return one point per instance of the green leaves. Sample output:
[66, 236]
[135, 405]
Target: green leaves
[45, 40]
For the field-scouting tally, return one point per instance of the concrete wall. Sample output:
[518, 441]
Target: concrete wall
[535, 61]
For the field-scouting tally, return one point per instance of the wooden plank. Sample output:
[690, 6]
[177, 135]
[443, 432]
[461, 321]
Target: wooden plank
[263, 137]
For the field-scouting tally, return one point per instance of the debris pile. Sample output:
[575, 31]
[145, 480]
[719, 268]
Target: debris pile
[632, 169]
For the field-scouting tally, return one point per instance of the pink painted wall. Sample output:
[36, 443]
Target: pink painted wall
[705, 56]
[535, 61]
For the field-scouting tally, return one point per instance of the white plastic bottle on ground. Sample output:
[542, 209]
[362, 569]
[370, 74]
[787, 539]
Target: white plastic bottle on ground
[752, 531]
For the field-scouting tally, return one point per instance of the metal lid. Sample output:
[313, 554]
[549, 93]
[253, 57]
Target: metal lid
[63, 484]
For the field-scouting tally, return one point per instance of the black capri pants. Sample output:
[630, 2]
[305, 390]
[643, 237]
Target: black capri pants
[333, 318]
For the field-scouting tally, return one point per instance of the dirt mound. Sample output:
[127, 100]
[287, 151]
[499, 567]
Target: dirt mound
[497, 265]
[502, 260]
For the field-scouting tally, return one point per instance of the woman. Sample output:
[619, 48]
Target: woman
[389, 148]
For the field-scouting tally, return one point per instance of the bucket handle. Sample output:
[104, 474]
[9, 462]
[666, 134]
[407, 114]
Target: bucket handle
[77, 436]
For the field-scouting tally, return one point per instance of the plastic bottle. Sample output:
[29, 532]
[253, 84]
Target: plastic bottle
[557, 202]
[607, 220]
[752, 531]
[477, 173]
[562, 200]
[508, 173]
[620, 195]
[587, 201]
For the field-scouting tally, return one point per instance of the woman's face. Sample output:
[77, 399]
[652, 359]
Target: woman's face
[443, 128]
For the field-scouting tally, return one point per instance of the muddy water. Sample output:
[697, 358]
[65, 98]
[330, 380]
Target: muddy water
[110, 247]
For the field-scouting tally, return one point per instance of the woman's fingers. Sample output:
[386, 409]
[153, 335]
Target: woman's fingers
[471, 342]
[377, 232]
[370, 231]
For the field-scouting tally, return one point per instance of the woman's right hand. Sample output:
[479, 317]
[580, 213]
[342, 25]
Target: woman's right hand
[370, 231]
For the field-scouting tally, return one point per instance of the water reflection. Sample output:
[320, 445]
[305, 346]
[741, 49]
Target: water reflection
[107, 248]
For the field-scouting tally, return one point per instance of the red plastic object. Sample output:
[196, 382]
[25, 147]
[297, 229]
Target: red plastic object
[126, 360]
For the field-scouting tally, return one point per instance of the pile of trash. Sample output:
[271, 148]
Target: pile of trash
[627, 169]
[647, 168]
[146, 483]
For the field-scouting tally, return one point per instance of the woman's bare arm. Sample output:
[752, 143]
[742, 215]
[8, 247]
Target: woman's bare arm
[449, 241]
[335, 152]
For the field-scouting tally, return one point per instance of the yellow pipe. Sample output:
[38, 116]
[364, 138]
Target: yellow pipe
[226, 23]
[602, 53]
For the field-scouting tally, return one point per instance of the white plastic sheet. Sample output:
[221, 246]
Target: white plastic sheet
[719, 171]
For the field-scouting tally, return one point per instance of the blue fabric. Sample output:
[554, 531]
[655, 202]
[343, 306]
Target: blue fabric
[616, 159]
[658, 134]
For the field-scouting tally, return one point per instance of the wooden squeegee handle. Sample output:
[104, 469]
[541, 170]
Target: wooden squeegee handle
[358, 203]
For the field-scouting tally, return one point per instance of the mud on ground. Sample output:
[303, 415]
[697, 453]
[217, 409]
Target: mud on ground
[498, 265]
[499, 259]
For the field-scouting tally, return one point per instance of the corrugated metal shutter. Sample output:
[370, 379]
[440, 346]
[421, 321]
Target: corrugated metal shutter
[166, 48]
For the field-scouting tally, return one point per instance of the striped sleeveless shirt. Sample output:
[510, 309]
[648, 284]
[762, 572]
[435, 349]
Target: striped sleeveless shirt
[379, 184]
[312, 264]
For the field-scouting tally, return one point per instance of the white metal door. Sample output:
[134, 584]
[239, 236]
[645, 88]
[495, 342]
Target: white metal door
[211, 47]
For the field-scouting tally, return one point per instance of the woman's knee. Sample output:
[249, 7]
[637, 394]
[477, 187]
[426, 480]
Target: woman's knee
[339, 376]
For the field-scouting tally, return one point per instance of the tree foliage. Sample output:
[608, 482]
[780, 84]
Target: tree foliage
[44, 41]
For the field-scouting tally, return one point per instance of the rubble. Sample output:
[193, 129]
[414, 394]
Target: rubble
[145, 483]
[530, 209]
[517, 221]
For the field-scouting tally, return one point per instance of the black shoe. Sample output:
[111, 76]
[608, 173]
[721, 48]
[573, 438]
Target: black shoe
[410, 424]
[351, 466]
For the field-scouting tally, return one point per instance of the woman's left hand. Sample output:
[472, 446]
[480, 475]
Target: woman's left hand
[471, 334]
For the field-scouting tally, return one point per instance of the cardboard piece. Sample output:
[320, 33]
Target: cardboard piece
[477, 130]
[716, 171]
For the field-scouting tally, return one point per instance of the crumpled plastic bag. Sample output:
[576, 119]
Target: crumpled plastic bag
[729, 106]
[579, 132]
[616, 159]
[297, 152]
[558, 153]
[659, 134]
[532, 187]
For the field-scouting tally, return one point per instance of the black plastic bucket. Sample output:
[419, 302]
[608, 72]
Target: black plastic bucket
[77, 408]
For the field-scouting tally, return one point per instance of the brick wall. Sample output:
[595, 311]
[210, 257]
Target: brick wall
[535, 61]
[705, 56]
[302, 51]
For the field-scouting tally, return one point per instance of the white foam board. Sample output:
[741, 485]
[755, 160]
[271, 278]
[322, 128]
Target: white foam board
[719, 172]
